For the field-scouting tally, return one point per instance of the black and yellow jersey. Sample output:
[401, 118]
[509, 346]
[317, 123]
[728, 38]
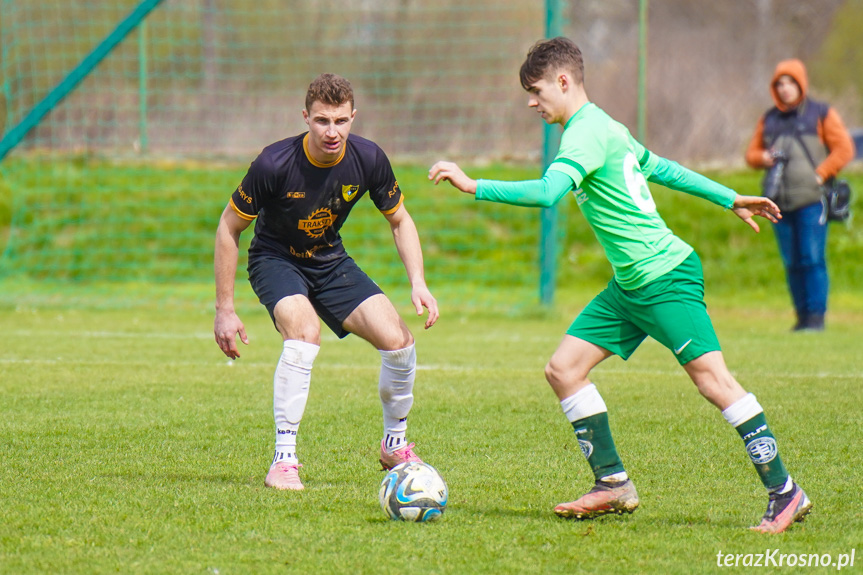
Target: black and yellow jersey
[300, 204]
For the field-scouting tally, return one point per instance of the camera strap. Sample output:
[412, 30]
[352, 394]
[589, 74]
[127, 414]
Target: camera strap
[805, 149]
[822, 114]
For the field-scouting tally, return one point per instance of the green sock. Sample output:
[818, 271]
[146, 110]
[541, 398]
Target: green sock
[761, 447]
[594, 438]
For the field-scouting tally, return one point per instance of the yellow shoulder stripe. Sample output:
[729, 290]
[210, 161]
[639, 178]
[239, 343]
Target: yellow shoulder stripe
[395, 209]
[243, 215]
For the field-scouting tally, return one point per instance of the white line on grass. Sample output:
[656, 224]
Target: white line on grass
[209, 335]
[446, 368]
[119, 334]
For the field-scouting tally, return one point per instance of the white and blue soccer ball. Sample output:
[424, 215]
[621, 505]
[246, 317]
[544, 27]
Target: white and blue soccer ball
[413, 491]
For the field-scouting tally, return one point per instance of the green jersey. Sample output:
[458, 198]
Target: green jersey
[608, 170]
[610, 167]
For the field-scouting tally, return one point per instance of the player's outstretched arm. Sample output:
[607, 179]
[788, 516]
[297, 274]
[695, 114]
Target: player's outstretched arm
[407, 242]
[227, 324]
[450, 172]
[746, 207]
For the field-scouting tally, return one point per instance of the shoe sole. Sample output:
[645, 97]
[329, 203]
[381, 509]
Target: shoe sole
[799, 516]
[802, 513]
[284, 487]
[580, 515]
[275, 482]
[387, 467]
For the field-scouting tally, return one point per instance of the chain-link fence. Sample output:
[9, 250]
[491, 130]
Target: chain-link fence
[217, 77]
[97, 191]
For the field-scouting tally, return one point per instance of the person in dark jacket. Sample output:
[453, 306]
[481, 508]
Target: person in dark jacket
[809, 138]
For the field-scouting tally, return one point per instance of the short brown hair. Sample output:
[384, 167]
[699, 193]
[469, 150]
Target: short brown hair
[329, 89]
[548, 56]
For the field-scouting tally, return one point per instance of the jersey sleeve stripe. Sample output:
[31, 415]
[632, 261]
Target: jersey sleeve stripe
[644, 157]
[242, 214]
[396, 208]
[573, 164]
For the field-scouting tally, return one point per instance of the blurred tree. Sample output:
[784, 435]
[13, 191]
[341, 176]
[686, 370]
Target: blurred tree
[838, 64]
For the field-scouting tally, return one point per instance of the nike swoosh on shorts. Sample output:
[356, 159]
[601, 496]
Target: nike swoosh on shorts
[682, 347]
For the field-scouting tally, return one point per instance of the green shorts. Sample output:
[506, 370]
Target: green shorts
[670, 309]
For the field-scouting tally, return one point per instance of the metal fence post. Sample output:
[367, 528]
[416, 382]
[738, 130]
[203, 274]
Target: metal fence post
[142, 87]
[642, 72]
[548, 216]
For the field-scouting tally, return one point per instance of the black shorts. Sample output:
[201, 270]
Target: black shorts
[335, 288]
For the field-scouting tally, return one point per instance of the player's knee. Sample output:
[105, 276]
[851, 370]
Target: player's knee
[309, 332]
[309, 337]
[408, 341]
[565, 377]
[405, 336]
[398, 337]
[554, 375]
[295, 318]
[718, 388]
[549, 372]
[396, 343]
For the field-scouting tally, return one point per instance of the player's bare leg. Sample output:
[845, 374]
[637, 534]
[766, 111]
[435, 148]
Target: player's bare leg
[567, 372]
[378, 322]
[300, 327]
[787, 502]
[713, 380]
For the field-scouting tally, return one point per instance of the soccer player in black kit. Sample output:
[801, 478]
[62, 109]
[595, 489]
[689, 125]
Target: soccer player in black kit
[299, 191]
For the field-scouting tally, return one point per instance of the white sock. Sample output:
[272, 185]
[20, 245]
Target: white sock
[615, 477]
[584, 403]
[290, 393]
[786, 487]
[396, 384]
[742, 410]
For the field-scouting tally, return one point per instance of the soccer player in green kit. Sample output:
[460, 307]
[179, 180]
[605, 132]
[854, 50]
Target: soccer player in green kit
[657, 288]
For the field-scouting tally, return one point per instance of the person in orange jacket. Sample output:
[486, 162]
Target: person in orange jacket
[802, 143]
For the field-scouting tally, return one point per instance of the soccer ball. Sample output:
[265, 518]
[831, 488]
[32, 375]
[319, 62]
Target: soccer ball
[413, 491]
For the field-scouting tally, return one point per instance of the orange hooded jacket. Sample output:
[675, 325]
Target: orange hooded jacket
[831, 131]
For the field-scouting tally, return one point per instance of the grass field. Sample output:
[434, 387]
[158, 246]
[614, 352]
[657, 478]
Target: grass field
[129, 444]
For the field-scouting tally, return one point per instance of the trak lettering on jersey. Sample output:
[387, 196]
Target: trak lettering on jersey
[295, 195]
[317, 223]
[393, 191]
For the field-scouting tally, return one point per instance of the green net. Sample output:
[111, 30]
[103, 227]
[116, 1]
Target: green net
[124, 180]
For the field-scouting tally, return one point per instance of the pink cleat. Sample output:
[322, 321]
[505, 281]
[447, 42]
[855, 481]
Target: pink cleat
[783, 510]
[603, 499]
[403, 455]
[284, 476]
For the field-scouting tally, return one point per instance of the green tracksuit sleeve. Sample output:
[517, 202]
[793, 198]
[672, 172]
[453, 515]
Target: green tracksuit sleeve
[672, 175]
[542, 193]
